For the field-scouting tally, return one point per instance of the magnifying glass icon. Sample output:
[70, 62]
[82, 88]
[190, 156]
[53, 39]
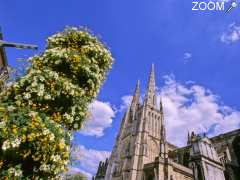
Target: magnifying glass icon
[233, 5]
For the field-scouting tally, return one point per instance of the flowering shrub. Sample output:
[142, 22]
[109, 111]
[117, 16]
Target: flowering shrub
[42, 108]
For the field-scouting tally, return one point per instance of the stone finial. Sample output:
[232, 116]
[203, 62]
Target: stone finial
[150, 97]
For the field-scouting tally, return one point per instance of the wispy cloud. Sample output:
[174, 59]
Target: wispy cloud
[101, 117]
[232, 34]
[87, 160]
[187, 56]
[126, 101]
[76, 170]
[195, 108]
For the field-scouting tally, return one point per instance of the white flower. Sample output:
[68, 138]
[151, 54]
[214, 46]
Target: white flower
[16, 142]
[53, 167]
[44, 167]
[2, 124]
[32, 113]
[10, 108]
[57, 62]
[18, 103]
[18, 173]
[56, 158]
[72, 92]
[27, 96]
[40, 93]
[75, 125]
[47, 97]
[11, 170]
[41, 78]
[41, 87]
[67, 116]
[6, 145]
[46, 131]
[74, 28]
[55, 76]
[34, 84]
[30, 102]
[52, 137]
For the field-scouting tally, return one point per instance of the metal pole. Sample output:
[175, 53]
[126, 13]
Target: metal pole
[17, 45]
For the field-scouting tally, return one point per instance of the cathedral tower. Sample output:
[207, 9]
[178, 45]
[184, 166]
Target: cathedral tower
[138, 141]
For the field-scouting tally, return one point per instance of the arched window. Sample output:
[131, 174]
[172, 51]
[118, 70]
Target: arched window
[131, 116]
[127, 149]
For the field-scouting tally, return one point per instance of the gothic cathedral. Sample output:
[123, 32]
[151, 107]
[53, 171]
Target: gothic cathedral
[141, 151]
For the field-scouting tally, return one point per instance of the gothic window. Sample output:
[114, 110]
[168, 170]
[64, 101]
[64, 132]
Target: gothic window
[223, 159]
[128, 149]
[131, 116]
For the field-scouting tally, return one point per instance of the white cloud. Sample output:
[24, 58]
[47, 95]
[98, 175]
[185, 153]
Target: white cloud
[87, 160]
[194, 108]
[126, 101]
[101, 117]
[232, 35]
[187, 55]
[76, 170]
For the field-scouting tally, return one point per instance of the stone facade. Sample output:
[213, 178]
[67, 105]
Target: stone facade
[141, 151]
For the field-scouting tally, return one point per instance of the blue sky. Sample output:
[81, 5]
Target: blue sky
[185, 45]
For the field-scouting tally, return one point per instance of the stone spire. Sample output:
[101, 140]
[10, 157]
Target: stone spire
[99, 168]
[189, 138]
[150, 97]
[163, 141]
[134, 104]
[161, 107]
[136, 96]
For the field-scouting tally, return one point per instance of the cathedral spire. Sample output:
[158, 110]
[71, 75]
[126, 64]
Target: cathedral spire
[136, 96]
[188, 141]
[163, 141]
[150, 97]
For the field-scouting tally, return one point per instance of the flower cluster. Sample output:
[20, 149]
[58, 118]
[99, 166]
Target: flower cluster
[11, 144]
[35, 135]
[41, 109]
[66, 77]
[15, 172]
